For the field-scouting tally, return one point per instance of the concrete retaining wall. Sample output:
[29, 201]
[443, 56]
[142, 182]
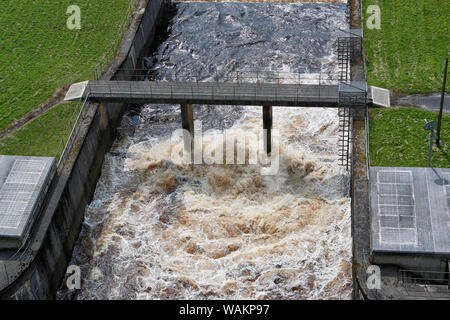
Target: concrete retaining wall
[38, 272]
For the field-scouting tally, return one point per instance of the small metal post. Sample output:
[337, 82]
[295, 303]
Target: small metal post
[430, 126]
[431, 148]
[448, 268]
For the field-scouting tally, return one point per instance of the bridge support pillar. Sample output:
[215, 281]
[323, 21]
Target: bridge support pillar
[267, 126]
[187, 121]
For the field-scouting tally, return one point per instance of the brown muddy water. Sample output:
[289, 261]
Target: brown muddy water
[160, 230]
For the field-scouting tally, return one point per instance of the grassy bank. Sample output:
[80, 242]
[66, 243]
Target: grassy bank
[408, 53]
[44, 136]
[39, 54]
[397, 138]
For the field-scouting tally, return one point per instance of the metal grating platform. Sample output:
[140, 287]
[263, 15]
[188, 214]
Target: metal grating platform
[23, 184]
[410, 216]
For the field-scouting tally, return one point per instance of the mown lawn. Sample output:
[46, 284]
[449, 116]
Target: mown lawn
[39, 53]
[397, 138]
[408, 53]
[45, 135]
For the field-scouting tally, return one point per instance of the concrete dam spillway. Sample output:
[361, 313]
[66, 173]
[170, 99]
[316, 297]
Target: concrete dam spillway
[157, 230]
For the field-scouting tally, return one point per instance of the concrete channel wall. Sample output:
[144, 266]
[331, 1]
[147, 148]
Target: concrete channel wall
[37, 272]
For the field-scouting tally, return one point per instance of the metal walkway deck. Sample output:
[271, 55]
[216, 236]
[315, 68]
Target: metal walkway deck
[217, 93]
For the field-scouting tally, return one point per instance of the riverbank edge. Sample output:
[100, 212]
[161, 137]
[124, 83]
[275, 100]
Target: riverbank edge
[359, 177]
[391, 287]
[37, 271]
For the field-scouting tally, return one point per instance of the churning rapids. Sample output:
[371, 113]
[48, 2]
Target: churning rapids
[156, 230]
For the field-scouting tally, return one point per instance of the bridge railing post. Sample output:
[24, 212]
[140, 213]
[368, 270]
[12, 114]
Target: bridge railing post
[267, 128]
[320, 86]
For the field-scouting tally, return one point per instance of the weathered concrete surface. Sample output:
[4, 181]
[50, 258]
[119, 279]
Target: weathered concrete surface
[36, 271]
[410, 216]
[357, 66]
[360, 209]
[429, 102]
[77, 91]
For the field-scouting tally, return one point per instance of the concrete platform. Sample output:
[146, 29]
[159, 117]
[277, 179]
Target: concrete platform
[76, 91]
[23, 184]
[410, 217]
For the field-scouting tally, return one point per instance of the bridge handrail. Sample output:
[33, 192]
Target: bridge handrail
[70, 140]
[204, 90]
[238, 76]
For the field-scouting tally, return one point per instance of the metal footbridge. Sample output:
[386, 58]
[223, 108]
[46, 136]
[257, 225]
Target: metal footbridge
[211, 93]
[349, 96]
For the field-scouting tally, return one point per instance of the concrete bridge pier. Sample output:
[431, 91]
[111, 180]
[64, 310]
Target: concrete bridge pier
[187, 121]
[267, 126]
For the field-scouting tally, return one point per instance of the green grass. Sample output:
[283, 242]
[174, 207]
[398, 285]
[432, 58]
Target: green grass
[45, 135]
[39, 53]
[397, 138]
[408, 53]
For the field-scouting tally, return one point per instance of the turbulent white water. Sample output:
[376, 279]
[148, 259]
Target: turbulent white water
[156, 230]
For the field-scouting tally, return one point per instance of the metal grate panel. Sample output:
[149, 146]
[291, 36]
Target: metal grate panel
[22, 179]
